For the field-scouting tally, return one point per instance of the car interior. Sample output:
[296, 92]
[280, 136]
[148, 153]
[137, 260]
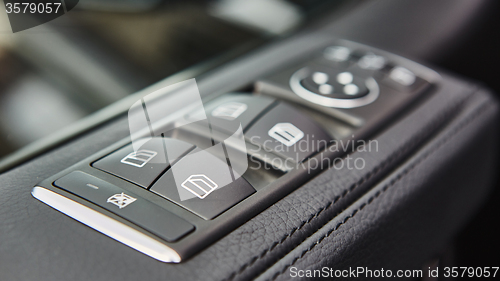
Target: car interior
[249, 140]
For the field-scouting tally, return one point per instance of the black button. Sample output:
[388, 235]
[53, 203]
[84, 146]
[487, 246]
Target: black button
[288, 133]
[203, 184]
[228, 112]
[143, 166]
[126, 205]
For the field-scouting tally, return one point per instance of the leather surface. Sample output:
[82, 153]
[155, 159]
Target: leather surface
[39, 243]
[413, 213]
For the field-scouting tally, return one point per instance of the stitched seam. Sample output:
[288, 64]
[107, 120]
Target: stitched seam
[389, 160]
[442, 142]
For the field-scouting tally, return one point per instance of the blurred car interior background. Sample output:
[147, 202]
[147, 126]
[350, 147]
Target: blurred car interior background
[57, 73]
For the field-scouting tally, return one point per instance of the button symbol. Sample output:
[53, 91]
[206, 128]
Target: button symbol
[403, 76]
[286, 133]
[139, 158]
[372, 62]
[337, 53]
[199, 185]
[230, 110]
[121, 200]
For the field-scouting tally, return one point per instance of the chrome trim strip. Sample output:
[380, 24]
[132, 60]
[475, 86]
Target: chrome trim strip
[107, 226]
[302, 92]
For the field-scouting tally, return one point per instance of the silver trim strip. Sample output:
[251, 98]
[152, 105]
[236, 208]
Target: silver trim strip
[302, 92]
[107, 226]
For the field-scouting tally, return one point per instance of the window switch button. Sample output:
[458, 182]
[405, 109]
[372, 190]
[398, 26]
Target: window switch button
[229, 111]
[288, 133]
[143, 166]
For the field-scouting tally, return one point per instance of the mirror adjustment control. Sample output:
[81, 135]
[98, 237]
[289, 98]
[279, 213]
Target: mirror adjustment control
[126, 205]
[333, 87]
[334, 83]
[288, 133]
[203, 184]
[143, 166]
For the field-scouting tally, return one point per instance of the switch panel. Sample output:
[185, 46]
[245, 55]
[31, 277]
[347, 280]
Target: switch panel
[239, 155]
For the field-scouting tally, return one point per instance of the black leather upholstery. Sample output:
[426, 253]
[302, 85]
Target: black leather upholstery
[412, 214]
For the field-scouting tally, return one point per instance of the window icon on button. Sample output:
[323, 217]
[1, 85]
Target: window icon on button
[230, 110]
[139, 158]
[286, 133]
[199, 185]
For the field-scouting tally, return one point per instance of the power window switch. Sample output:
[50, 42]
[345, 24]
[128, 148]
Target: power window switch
[144, 165]
[229, 112]
[288, 133]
